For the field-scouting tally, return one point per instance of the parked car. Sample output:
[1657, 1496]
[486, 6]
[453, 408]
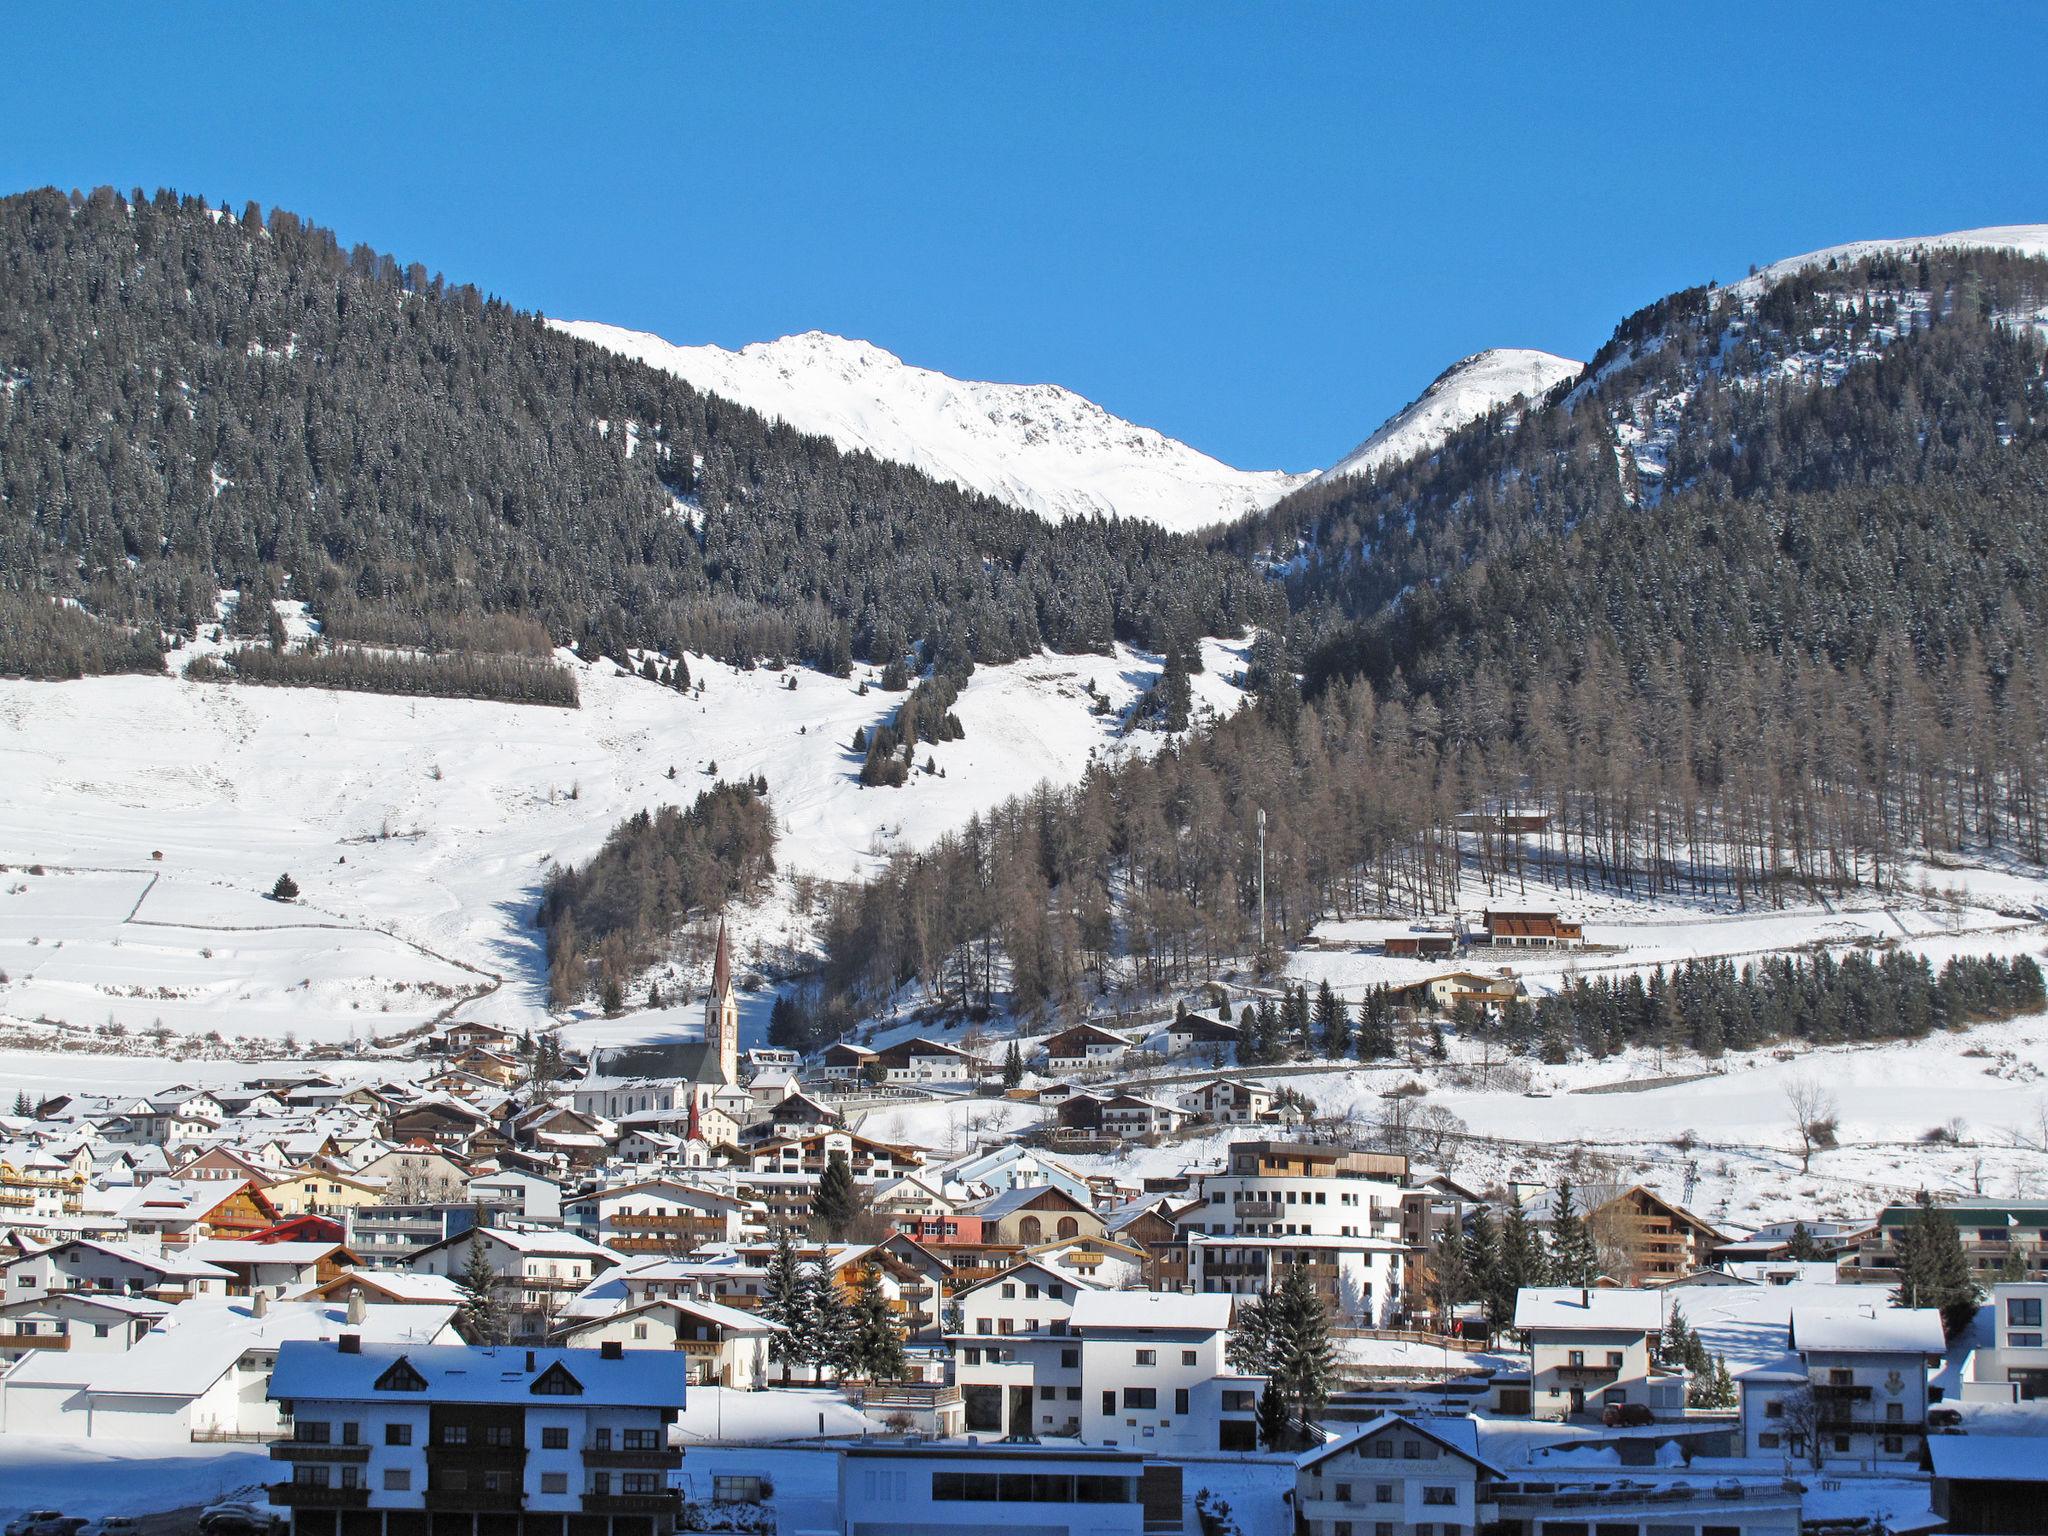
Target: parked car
[23, 1523]
[238, 1517]
[1620, 1415]
[61, 1525]
[113, 1525]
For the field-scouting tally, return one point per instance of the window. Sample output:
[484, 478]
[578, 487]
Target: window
[398, 1434]
[1575, 1358]
[499, 1435]
[351, 1433]
[1439, 1495]
[1411, 1450]
[1109, 1402]
[554, 1437]
[1141, 1397]
[639, 1330]
[1070, 1359]
[1240, 1402]
[1767, 1441]
[1383, 1493]
[311, 1432]
[2023, 1311]
[397, 1479]
[1187, 1357]
[1614, 1358]
[1148, 1357]
[455, 1434]
[1383, 1449]
[1180, 1399]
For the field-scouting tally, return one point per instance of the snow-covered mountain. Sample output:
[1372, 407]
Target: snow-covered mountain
[1463, 392]
[2025, 239]
[1036, 446]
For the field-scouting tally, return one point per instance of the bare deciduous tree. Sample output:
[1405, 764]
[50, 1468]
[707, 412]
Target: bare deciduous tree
[1812, 1108]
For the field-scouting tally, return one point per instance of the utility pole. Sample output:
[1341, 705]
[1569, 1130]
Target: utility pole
[1262, 882]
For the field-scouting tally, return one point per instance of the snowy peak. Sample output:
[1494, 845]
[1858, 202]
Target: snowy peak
[1038, 447]
[1463, 392]
[2023, 239]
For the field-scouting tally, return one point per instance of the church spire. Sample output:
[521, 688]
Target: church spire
[722, 1014]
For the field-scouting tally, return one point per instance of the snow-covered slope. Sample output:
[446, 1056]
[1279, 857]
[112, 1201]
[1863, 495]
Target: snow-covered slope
[1036, 446]
[159, 811]
[2026, 239]
[1463, 392]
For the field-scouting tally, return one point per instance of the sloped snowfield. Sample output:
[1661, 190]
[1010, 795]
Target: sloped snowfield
[160, 813]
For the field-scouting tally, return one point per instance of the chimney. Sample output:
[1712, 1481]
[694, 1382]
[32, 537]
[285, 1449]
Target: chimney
[1586, 1296]
[259, 1304]
[611, 1349]
[356, 1310]
[350, 1344]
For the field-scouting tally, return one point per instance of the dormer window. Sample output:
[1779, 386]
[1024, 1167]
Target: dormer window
[401, 1377]
[556, 1381]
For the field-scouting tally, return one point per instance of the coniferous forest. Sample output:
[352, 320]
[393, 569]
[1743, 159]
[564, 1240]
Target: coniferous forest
[1751, 610]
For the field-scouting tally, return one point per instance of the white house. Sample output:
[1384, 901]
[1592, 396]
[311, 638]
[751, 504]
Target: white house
[1851, 1385]
[76, 1322]
[204, 1368]
[1397, 1476]
[85, 1265]
[474, 1434]
[536, 1271]
[1153, 1374]
[1085, 1047]
[721, 1346]
[1590, 1348]
[1046, 1490]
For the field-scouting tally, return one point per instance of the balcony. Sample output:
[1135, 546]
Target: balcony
[478, 1458]
[488, 1499]
[637, 1458]
[318, 1496]
[317, 1450]
[663, 1503]
[1586, 1375]
[15, 1339]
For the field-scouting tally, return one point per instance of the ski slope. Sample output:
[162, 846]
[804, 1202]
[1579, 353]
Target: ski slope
[1036, 446]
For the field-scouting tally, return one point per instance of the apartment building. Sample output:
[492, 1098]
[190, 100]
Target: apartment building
[515, 1441]
[2018, 1358]
[1153, 1374]
[535, 1272]
[1592, 1349]
[1990, 1228]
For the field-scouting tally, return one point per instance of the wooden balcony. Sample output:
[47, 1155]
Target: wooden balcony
[16, 1339]
[318, 1496]
[663, 1503]
[478, 1458]
[485, 1499]
[317, 1450]
[1586, 1375]
[648, 1458]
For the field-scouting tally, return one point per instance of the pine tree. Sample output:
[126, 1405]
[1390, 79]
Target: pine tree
[1933, 1269]
[1275, 1434]
[1574, 1258]
[1268, 1021]
[1483, 1264]
[1302, 1367]
[481, 1316]
[1522, 1259]
[1333, 1022]
[1294, 1022]
[876, 1349]
[1800, 1245]
[1013, 1066]
[1249, 1349]
[1450, 1277]
[787, 1300]
[286, 889]
[835, 1205]
[832, 1320]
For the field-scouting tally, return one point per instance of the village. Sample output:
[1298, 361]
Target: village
[617, 1289]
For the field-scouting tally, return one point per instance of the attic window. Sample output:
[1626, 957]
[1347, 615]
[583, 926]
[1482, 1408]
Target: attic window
[556, 1381]
[401, 1377]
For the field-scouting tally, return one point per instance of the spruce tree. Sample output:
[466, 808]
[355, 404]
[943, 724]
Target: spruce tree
[832, 1320]
[835, 1205]
[1302, 1365]
[1574, 1258]
[1674, 1345]
[1933, 1269]
[1294, 1022]
[1333, 1022]
[1013, 1066]
[1450, 1277]
[1522, 1259]
[1275, 1434]
[1249, 1350]
[480, 1318]
[876, 1347]
[1488, 1278]
[787, 1300]
[1800, 1245]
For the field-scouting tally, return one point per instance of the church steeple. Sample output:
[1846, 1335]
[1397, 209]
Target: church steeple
[722, 1012]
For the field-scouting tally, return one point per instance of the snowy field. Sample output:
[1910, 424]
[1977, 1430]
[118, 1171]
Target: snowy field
[419, 830]
[92, 1478]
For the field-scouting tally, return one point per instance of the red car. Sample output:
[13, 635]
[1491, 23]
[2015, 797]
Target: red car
[1626, 1415]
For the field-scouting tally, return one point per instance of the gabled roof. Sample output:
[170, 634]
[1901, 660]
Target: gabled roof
[1388, 1421]
[1057, 1277]
[459, 1373]
[998, 1206]
[1582, 1307]
[1868, 1329]
[1098, 1310]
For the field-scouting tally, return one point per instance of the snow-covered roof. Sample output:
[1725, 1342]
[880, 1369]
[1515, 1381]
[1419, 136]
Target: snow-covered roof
[223, 1250]
[1579, 1307]
[460, 1373]
[1454, 1435]
[1096, 1310]
[1868, 1329]
[401, 1285]
[197, 1341]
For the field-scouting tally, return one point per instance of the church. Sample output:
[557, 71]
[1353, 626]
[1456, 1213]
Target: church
[696, 1082]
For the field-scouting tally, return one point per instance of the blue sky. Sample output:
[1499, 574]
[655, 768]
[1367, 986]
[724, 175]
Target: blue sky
[1258, 228]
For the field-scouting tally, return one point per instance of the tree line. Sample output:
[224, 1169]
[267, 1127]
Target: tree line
[610, 917]
[446, 675]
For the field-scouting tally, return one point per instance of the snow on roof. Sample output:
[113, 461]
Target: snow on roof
[1868, 1329]
[460, 1373]
[1150, 1309]
[1571, 1306]
[197, 1341]
[223, 1250]
[163, 1262]
[402, 1284]
[1457, 1435]
[551, 1240]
